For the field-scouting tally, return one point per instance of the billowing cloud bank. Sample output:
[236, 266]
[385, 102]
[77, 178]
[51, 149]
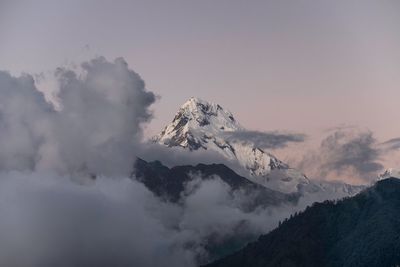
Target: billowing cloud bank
[52, 213]
[47, 220]
[95, 131]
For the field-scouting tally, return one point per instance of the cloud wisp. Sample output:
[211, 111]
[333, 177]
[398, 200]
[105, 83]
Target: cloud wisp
[265, 140]
[347, 153]
[392, 144]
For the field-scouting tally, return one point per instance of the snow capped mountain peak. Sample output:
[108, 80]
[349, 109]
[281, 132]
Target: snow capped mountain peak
[200, 124]
[203, 125]
[195, 123]
[208, 115]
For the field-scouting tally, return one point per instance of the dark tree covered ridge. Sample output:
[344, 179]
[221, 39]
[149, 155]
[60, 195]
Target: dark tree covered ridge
[363, 230]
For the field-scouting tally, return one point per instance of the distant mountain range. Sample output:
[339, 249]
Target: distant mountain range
[363, 230]
[169, 183]
[207, 126]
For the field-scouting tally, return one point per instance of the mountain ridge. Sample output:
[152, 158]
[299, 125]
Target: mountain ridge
[357, 231]
[169, 183]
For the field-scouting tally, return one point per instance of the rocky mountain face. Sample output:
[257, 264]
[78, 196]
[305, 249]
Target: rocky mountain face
[360, 231]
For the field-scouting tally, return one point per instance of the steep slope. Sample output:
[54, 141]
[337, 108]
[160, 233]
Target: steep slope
[360, 231]
[203, 125]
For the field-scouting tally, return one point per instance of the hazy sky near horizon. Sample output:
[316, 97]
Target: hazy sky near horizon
[303, 66]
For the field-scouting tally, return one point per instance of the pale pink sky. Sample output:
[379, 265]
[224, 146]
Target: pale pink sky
[303, 66]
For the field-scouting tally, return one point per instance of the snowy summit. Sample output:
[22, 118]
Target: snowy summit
[205, 125]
